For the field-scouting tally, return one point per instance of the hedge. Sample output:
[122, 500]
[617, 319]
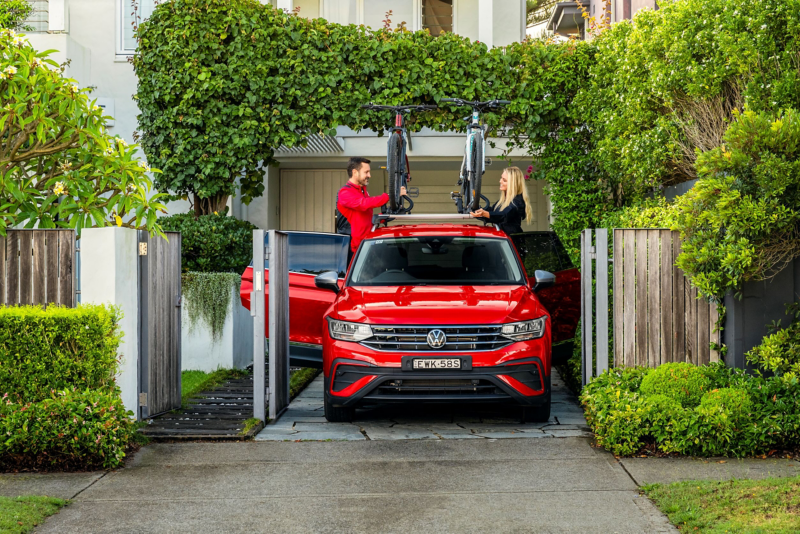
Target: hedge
[59, 404]
[701, 411]
[42, 351]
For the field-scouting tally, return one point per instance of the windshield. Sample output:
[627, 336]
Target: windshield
[436, 260]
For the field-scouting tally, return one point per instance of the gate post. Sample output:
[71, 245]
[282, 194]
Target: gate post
[601, 248]
[278, 323]
[586, 306]
[258, 313]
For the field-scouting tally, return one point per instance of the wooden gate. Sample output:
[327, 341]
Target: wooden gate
[658, 316]
[160, 323]
[38, 267]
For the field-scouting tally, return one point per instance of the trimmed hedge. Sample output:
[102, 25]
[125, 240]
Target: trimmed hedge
[738, 415]
[42, 351]
[212, 243]
[74, 429]
[60, 406]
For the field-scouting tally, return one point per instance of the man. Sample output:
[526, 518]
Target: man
[355, 204]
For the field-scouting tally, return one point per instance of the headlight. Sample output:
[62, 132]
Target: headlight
[526, 330]
[348, 331]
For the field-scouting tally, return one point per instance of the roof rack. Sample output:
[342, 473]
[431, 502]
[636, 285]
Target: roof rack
[386, 218]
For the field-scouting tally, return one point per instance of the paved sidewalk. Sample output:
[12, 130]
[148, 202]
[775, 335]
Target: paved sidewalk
[304, 420]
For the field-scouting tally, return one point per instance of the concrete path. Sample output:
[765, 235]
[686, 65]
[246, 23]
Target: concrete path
[304, 420]
[470, 485]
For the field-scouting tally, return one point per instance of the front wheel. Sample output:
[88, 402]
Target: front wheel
[536, 414]
[394, 166]
[338, 414]
[477, 173]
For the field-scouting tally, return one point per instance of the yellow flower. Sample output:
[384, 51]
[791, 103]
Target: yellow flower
[59, 188]
[118, 219]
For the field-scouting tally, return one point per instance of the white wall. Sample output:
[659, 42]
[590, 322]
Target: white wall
[234, 349]
[110, 275]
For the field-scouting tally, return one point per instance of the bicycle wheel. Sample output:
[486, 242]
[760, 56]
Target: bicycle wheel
[394, 166]
[477, 173]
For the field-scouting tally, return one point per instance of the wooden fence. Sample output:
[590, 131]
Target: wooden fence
[38, 267]
[657, 316]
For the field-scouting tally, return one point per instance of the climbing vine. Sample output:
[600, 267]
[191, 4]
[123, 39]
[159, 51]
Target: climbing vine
[207, 298]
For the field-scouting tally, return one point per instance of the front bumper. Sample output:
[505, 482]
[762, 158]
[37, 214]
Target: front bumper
[353, 382]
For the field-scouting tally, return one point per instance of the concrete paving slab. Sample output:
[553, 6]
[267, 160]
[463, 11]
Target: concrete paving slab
[58, 485]
[398, 432]
[599, 512]
[513, 435]
[182, 454]
[558, 433]
[668, 470]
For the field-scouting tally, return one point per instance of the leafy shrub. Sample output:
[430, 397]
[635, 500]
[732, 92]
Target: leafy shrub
[779, 352]
[208, 298]
[73, 429]
[42, 351]
[681, 381]
[212, 243]
[741, 415]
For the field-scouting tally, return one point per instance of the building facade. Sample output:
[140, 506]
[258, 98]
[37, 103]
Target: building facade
[96, 37]
[568, 21]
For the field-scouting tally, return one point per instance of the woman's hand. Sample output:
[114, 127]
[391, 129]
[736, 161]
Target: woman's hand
[480, 213]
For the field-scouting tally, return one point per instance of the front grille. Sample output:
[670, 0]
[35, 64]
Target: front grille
[435, 387]
[414, 338]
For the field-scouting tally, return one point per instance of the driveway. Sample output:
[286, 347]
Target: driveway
[393, 470]
[304, 420]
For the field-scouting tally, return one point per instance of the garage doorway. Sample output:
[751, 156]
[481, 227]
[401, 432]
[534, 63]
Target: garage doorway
[308, 198]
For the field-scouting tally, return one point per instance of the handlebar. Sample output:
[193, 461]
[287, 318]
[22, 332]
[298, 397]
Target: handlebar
[476, 104]
[398, 109]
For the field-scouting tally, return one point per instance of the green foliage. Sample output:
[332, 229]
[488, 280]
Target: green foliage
[207, 297]
[14, 13]
[768, 505]
[75, 428]
[212, 243]
[18, 515]
[42, 351]
[650, 213]
[59, 167]
[740, 221]
[300, 379]
[194, 382]
[222, 84]
[779, 352]
[739, 415]
[680, 381]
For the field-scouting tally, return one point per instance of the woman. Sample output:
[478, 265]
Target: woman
[513, 205]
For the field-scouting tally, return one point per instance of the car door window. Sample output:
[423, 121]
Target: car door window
[538, 251]
[311, 253]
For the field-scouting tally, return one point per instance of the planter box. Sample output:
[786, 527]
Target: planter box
[746, 320]
[233, 349]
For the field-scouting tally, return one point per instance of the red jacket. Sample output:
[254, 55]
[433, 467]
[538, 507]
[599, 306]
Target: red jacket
[356, 205]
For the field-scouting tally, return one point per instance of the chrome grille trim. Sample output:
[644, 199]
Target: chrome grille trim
[460, 338]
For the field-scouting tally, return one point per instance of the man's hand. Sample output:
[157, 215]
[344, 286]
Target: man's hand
[403, 192]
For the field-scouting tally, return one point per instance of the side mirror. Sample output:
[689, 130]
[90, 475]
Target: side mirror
[328, 280]
[544, 279]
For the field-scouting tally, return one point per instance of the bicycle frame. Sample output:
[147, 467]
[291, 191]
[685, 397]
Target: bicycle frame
[476, 125]
[405, 176]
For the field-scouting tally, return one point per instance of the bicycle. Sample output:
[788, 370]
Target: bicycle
[396, 158]
[473, 165]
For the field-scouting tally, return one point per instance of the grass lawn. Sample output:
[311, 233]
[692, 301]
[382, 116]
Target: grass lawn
[193, 382]
[21, 514]
[769, 505]
[300, 379]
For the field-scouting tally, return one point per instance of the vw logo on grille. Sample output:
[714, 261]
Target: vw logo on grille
[436, 339]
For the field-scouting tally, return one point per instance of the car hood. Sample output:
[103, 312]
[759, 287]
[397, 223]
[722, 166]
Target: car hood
[438, 304]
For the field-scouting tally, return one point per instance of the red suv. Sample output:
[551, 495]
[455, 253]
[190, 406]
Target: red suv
[431, 313]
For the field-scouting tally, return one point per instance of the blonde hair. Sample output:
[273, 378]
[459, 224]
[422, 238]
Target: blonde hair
[516, 186]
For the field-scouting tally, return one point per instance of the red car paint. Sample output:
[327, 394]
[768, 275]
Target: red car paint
[431, 305]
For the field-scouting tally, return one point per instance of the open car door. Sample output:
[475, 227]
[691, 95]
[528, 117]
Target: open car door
[310, 253]
[544, 251]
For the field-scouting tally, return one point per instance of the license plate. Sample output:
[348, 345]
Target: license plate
[437, 363]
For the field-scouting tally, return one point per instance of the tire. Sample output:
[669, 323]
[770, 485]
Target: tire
[477, 172]
[338, 414]
[536, 414]
[394, 166]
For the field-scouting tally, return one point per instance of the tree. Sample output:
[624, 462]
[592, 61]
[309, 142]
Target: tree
[14, 13]
[59, 167]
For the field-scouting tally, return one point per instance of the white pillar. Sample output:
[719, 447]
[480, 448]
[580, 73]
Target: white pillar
[286, 4]
[56, 16]
[110, 275]
[485, 21]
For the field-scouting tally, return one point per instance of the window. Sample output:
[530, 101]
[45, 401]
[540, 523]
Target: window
[437, 16]
[312, 253]
[127, 42]
[436, 260]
